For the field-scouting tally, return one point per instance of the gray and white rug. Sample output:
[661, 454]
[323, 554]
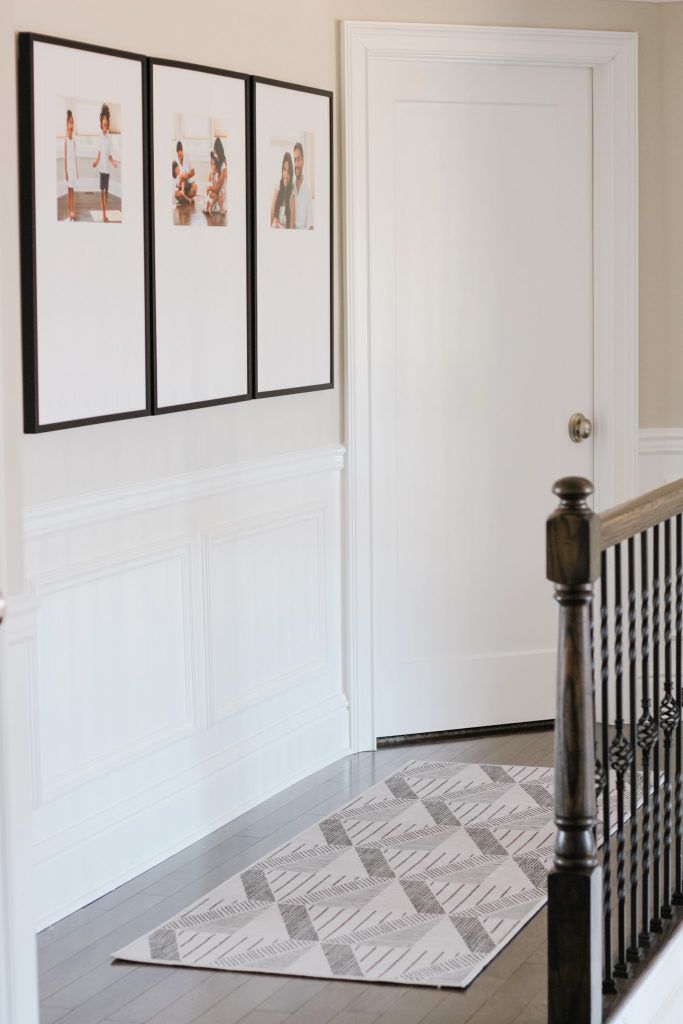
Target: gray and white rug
[420, 880]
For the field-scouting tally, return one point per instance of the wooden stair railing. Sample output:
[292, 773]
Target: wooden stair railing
[610, 906]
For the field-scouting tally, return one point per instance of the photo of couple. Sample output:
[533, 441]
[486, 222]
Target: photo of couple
[88, 151]
[292, 201]
[199, 168]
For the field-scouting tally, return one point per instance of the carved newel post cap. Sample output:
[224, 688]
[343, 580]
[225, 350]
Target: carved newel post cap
[573, 551]
[573, 490]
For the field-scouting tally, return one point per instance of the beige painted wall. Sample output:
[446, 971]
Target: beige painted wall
[661, 375]
[300, 43]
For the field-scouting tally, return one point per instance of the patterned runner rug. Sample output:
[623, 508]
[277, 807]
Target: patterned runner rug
[420, 880]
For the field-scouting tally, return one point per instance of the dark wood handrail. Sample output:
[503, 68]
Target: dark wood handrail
[639, 514]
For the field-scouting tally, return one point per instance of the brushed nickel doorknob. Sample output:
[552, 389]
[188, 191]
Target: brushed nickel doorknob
[580, 427]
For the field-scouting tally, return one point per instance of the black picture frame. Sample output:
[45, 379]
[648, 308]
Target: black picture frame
[158, 407]
[29, 254]
[328, 202]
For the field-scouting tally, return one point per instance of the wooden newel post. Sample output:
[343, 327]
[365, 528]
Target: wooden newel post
[575, 880]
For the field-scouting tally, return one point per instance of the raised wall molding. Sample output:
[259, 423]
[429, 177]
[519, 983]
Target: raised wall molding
[87, 509]
[20, 621]
[307, 602]
[186, 661]
[60, 582]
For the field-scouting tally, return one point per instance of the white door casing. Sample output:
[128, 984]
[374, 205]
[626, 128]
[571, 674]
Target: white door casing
[610, 60]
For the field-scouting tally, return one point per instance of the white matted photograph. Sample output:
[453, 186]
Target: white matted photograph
[293, 238]
[82, 122]
[200, 176]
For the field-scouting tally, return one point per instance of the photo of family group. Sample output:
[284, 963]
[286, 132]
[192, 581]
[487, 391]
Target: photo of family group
[292, 204]
[199, 168]
[88, 157]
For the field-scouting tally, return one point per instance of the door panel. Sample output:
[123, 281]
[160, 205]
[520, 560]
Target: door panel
[480, 211]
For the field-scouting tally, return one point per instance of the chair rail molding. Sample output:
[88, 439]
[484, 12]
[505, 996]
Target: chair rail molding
[660, 456]
[148, 495]
[612, 57]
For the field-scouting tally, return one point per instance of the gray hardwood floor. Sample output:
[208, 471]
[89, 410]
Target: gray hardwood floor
[80, 985]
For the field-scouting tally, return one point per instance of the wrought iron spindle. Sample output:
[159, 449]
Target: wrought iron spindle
[656, 920]
[619, 762]
[608, 982]
[633, 953]
[678, 801]
[645, 736]
[669, 713]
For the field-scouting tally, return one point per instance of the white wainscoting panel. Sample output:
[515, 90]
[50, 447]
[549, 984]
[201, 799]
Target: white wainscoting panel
[660, 459]
[99, 645]
[17, 904]
[186, 662]
[277, 561]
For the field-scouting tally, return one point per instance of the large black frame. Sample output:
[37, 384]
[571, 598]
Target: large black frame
[27, 225]
[257, 80]
[152, 62]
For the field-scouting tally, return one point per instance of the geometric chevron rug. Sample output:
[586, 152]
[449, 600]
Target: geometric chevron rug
[420, 880]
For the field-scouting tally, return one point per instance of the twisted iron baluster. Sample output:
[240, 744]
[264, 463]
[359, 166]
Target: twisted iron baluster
[619, 760]
[656, 920]
[633, 953]
[678, 894]
[669, 714]
[645, 737]
[608, 982]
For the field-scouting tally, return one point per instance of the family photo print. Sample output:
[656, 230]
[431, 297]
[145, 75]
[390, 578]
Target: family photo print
[88, 160]
[199, 170]
[293, 202]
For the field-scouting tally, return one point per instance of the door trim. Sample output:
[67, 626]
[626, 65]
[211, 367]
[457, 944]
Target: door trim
[613, 59]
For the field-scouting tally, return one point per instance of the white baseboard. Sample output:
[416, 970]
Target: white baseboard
[186, 662]
[188, 810]
[658, 998]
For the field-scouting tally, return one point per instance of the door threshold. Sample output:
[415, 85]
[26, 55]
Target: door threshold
[456, 734]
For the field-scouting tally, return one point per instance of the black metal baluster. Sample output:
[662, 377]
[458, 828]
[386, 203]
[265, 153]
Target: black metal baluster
[678, 801]
[633, 953]
[619, 762]
[669, 713]
[608, 982]
[656, 920]
[645, 735]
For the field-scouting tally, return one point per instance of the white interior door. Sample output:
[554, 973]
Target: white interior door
[480, 212]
